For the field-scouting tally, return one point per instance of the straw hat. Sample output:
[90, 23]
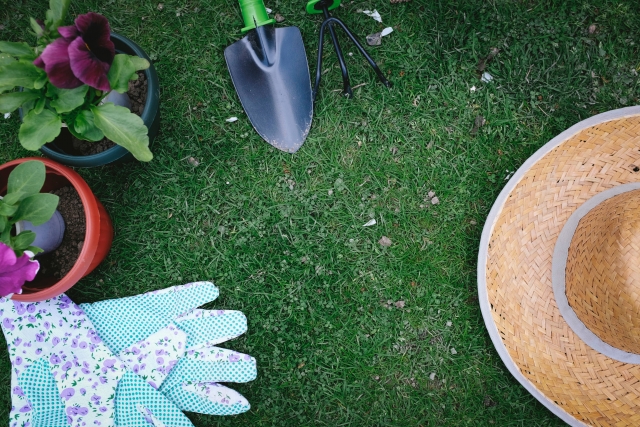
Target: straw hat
[559, 272]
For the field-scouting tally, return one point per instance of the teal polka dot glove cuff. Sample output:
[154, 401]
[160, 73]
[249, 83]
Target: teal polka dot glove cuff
[165, 339]
[63, 374]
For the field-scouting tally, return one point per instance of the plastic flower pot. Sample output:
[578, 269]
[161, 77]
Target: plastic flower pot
[98, 234]
[57, 149]
[48, 235]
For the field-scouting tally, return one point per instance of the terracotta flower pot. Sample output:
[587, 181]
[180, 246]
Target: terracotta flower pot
[98, 235]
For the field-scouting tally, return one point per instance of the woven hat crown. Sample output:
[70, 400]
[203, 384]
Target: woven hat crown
[603, 271]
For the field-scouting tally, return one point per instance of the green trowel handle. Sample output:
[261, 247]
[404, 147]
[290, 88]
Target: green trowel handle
[254, 14]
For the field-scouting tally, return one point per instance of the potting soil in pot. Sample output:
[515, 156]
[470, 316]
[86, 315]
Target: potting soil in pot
[59, 262]
[138, 95]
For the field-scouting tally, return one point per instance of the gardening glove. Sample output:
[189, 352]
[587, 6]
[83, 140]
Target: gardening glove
[164, 338]
[64, 375]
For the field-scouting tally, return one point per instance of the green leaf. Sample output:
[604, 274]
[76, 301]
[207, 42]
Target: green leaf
[42, 80]
[23, 240]
[27, 107]
[37, 208]
[5, 59]
[139, 64]
[34, 249]
[16, 49]
[11, 101]
[124, 128]
[19, 74]
[5, 236]
[39, 106]
[36, 27]
[27, 178]
[57, 12]
[85, 128]
[49, 21]
[7, 209]
[3, 223]
[120, 73]
[66, 100]
[13, 198]
[38, 129]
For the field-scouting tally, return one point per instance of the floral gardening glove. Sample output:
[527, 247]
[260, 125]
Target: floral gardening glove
[64, 375]
[164, 338]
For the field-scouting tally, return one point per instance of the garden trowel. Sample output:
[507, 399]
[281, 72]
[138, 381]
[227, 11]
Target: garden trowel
[270, 73]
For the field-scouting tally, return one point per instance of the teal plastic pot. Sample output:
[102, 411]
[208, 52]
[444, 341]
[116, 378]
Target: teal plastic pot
[150, 115]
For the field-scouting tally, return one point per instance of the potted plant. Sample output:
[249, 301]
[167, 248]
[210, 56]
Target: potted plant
[24, 204]
[86, 96]
[88, 233]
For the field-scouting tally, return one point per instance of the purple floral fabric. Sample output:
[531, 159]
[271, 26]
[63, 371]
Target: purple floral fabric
[155, 356]
[85, 370]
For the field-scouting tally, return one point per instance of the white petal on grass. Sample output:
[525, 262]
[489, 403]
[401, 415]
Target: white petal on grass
[268, 10]
[486, 77]
[370, 223]
[386, 31]
[473, 89]
[232, 119]
[453, 351]
[432, 376]
[449, 323]
[375, 15]
[384, 241]
[7, 115]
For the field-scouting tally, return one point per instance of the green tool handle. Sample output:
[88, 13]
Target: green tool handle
[254, 14]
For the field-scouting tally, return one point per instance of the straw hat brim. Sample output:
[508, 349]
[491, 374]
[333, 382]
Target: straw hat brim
[577, 383]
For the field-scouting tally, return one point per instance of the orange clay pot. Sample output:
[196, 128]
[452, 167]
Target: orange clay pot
[98, 235]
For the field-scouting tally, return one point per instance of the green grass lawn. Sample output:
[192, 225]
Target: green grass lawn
[282, 235]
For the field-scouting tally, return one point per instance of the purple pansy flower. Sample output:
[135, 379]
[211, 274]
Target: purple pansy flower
[18, 391]
[54, 359]
[95, 399]
[26, 408]
[31, 308]
[15, 271]
[234, 358]
[83, 54]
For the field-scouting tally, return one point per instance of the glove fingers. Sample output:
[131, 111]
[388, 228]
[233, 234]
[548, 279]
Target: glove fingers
[125, 321]
[209, 398]
[139, 405]
[41, 397]
[230, 367]
[211, 326]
